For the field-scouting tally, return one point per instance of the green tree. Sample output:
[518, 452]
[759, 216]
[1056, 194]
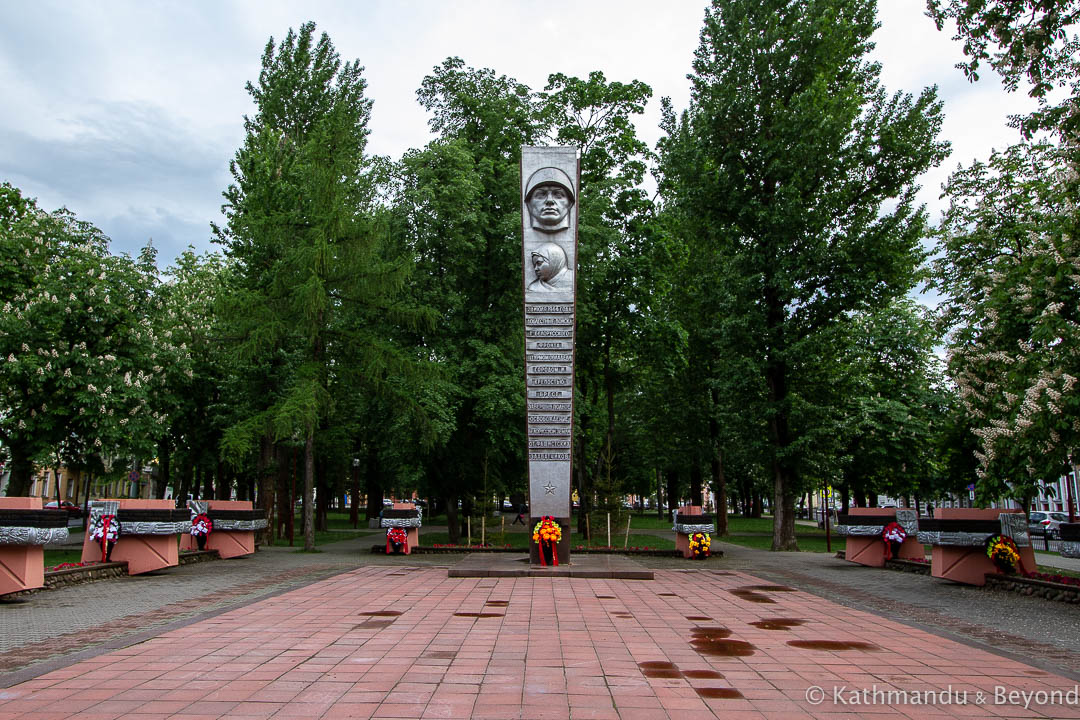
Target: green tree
[1028, 40]
[796, 171]
[303, 232]
[1009, 269]
[80, 358]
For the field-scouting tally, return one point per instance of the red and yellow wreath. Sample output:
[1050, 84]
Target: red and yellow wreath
[547, 533]
[699, 545]
[1003, 552]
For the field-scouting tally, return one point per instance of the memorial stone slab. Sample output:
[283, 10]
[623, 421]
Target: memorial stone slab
[549, 211]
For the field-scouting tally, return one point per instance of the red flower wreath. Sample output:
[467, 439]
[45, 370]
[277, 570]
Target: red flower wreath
[398, 538]
[201, 525]
[894, 532]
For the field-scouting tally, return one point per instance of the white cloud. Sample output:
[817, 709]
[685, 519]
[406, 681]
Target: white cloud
[128, 112]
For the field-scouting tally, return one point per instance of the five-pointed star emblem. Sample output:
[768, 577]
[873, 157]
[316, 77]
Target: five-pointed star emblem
[549, 488]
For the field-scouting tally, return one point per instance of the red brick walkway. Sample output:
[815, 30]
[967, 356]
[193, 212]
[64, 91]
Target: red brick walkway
[683, 646]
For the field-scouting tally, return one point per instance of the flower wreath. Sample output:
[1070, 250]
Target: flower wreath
[106, 531]
[894, 532]
[699, 545]
[548, 532]
[201, 525]
[1003, 552]
[398, 538]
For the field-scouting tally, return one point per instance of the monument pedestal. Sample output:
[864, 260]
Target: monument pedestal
[143, 552]
[865, 545]
[959, 539]
[689, 520]
[407, 517]
[26, 528]
[235, 524]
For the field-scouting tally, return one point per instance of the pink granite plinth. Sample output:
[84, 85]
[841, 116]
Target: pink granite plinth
[870, 550]
[22, 567]
[970, 565]
[227, 543]
[142, 553]
[682, 540]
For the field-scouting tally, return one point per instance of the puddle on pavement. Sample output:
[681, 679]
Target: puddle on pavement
[751, 596]
[1035, 672]
[382, 613]
[835, 645]
[605, 597]
[441, 655]
[659, 669]
[721, 572]
[477, 614]
[698, 617]
[667, 594]
[769, 588]
[703, 674]
[722, 693]
[497, 603]
[714, 641]
[778, 623]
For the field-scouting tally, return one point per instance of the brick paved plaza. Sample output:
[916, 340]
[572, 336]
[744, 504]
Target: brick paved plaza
[406, 641]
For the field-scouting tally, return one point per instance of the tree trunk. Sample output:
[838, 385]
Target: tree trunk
[22, 470]
[672, 490]
[163, 479]
[354, 494]
[719, 483]
[784, 477]
[322, 497]
[265, 479]
[309, 487]
[695, 483]
[373, 486]
[453, 527]
[659, 493]
[223, 483]
[207, 481]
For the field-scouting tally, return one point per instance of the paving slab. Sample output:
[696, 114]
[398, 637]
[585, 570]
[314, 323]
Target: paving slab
[408, 641]
[581, 565]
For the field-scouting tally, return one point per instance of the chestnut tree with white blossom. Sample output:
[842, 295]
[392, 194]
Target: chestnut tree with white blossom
[80, 361]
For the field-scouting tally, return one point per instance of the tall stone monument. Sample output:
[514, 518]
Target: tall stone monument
[549, 211]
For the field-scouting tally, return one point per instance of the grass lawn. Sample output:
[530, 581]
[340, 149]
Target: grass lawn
[324, 537]
[54, 557]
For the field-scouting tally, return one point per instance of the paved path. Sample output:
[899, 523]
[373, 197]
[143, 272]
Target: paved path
[408, 642]
[286, 634]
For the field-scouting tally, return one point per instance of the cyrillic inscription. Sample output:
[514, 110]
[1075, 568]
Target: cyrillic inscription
[563, 381]
[550, 407]
[549, 419]
[550, 369]
[549, 443]
[563, 431]
[554, 394]
[534, 309]
[549, 456]
[537, 333]
[543, 320]
[550, 357]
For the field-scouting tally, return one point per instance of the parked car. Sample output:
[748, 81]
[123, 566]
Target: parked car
[72, 509]
[1041, 522]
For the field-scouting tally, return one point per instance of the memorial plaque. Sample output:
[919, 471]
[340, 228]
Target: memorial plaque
[549, 212]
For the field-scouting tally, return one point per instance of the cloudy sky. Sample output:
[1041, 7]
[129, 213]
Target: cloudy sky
[128, 112]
